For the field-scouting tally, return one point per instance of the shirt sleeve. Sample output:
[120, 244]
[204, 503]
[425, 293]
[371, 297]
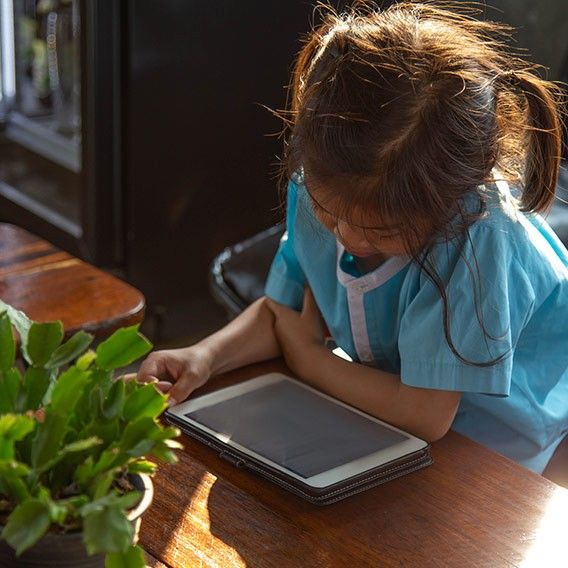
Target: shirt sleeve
[286, 280]
[490, 299]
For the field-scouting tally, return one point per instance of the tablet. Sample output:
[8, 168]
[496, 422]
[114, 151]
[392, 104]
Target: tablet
[294, 429]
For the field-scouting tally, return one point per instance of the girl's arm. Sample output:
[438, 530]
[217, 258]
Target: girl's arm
[425, 413]
[249, 338]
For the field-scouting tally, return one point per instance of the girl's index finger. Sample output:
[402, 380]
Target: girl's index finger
[140, 378]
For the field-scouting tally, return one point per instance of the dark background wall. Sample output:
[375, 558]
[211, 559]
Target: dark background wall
[201, 162]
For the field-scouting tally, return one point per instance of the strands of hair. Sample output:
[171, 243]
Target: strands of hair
[408, 110]
[428, 94]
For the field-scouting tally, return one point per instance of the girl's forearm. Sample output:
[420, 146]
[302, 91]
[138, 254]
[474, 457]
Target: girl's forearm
[423, 412]
[249, 338]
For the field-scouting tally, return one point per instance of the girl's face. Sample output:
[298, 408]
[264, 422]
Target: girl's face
[362, 238]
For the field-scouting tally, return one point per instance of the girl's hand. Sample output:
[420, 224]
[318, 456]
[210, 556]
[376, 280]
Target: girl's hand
[300, 334]
[177, 372]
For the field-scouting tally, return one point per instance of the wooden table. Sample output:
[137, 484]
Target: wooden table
[49, 284]
[471, 508]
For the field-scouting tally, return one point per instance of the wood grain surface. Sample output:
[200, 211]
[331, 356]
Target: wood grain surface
[152, 562]
[49, 284]
[472, 507]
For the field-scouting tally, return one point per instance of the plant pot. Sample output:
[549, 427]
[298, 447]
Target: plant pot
[68, 550]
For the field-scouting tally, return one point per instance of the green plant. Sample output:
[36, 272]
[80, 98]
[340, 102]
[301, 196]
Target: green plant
[70, 434]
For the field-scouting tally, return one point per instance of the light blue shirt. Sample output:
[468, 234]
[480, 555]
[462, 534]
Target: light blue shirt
[392, 318]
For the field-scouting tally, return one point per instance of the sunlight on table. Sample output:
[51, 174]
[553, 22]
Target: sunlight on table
[196, 520]
[549, 546]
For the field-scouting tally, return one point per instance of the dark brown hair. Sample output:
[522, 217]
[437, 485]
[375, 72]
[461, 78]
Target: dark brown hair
[408, 110]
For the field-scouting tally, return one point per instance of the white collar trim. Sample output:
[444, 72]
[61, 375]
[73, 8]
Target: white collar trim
[372, 279]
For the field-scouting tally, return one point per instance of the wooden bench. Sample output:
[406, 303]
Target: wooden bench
[50, 284]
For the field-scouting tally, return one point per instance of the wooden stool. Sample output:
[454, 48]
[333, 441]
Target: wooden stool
[49, 284]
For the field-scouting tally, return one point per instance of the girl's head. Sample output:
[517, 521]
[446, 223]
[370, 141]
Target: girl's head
[396, 115]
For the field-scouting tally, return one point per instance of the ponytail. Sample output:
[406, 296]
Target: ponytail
[544, 131]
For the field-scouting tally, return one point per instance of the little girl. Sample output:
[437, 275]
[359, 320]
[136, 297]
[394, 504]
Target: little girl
[436, 275]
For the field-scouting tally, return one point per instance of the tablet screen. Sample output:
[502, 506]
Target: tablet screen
[296, 428]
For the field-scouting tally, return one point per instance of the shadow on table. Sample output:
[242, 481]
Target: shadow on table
[268, 526]
[256, 533]
[197, 518]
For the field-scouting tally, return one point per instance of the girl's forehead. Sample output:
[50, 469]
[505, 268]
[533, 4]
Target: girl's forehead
[349, 205]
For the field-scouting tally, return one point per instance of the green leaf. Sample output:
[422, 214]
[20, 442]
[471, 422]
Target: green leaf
[15, 426]
[73, 447]
[11, 468]
[132, 558]
[141, 448]
[47, 442]
[137, 431]
[130, 386]
[36, 383]
[114, 400]
[70, 350]
[57, 513]
[145, 437]
[7, 343]
[10, 385]
[98, 505]
[58, 510]
[102, 484]
[11, 474]
[84, 472]
[107, 430]
[164, 454]
[142, 466]
[107, 530]
[111, 499]
[16, 488]
[172, 444]
[109, 459]
[96, 402]
[26, 525]
[67, 390]
[135, 442]
[86, 360]
[167, 433]
[122, 348]
[145, 401]
[43, 340]
[128, 500]
[20, 321]
[74, 503]
[84, 413]
[81, 445]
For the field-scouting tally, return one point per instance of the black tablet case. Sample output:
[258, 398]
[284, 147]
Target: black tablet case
[319, 496]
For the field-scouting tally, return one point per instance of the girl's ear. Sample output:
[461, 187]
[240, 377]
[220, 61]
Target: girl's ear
[544, 129]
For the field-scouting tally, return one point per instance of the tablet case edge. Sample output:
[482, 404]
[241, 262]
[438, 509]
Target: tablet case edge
[331, 494]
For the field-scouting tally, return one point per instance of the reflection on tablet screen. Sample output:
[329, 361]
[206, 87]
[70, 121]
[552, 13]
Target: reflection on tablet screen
[296, 428]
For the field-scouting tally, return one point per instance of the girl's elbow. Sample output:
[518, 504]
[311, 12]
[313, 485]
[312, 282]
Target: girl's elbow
[433, 435]
[434, 431]
[435, 416]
